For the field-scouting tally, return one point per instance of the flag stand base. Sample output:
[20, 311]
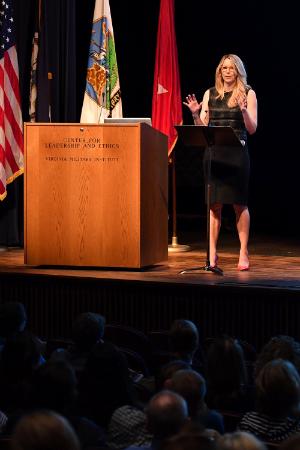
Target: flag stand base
[176, 248]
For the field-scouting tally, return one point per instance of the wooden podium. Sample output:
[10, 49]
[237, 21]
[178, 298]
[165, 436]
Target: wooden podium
[95, 195]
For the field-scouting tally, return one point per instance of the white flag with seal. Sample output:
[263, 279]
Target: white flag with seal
[102, 97]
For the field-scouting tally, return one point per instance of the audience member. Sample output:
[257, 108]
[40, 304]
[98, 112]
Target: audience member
[87, 331]
[104, 384]
[185, 342]
[128, 423]
[166, 372]
[20, 356]
[127, 428]
[192, 387]
[13, 320]
[192, 437]
[166, 413]
[44, 430]
[240, 440]
[54, 388]
[148, 386]
[227, 387]
[277, 414]
[279, 347]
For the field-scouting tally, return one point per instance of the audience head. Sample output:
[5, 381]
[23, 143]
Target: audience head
[21, 354]
[192, 437]
[279, 347]
[166, 372]
[13, 318]
[166, 414]
[192, 387]
[226, 366]
[87, 330]
[240, 440]
[278, 389]
[54, 386]
[108, 365]
[128, 427]
[184, 338]
[44, 430]
[105, 381]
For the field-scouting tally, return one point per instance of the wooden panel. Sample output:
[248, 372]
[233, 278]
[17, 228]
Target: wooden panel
[84, 204]
[154, 196]
[82, 195]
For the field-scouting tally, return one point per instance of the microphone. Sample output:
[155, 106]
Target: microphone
[101, 106]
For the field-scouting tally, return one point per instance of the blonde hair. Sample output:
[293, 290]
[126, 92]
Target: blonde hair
[241, 80]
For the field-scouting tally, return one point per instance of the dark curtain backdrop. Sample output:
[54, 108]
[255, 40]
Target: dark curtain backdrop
[57, 56]
[266, 38]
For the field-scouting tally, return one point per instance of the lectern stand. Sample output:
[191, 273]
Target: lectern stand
[205, 138]
[95, 195]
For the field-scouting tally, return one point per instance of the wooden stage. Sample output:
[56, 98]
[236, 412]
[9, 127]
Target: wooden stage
[252, 305]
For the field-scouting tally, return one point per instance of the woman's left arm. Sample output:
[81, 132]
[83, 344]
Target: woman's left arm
[249, 110]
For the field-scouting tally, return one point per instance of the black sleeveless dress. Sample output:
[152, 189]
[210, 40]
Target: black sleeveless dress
[230, 166]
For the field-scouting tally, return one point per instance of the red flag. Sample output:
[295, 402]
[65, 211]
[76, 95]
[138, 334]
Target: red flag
[166, 101]
[11, 124]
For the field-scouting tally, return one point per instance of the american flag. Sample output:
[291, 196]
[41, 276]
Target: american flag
[11, 124]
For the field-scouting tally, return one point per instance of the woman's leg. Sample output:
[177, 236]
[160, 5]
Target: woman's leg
[215, 225]
[243, 226]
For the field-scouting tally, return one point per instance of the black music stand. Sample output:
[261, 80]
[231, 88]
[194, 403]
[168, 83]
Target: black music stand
[205, 138]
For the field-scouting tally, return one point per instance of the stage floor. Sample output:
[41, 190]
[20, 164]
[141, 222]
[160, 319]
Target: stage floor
[252, 305]
[275, 263]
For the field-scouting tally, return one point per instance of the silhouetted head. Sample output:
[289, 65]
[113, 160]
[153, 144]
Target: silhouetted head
[278, 389]
[184, 338]
[54, 386]
[44, 430]
[166, 414]
[240, 440]
[279, 347]
[87, 330]
[13, 318]
[192, 437]
[226, 366]
[105, 381]
[192, 387]
[21, 354]
[128, 427]
[167, 371]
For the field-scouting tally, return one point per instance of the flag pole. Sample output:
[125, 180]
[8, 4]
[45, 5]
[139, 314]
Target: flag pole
[166, 100]
[174, 246]
[40, 14]
[50, 78]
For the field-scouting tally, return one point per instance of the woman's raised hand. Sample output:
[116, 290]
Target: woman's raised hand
[193, 104]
